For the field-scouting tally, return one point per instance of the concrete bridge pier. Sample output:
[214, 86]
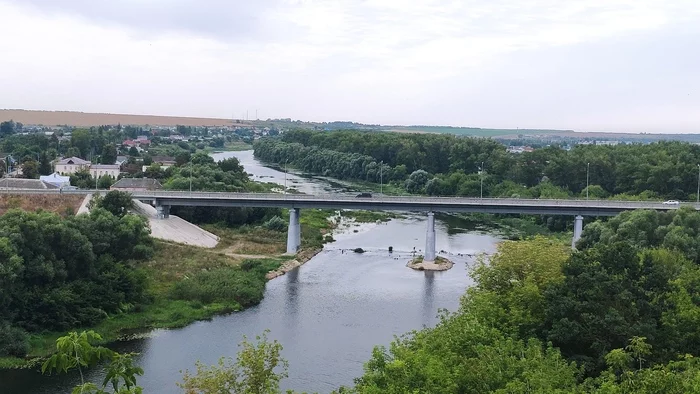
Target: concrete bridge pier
[294, 232]
[162, 211]
[430, 239]
[578, 230]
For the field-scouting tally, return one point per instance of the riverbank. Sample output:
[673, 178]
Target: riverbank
[187, 284]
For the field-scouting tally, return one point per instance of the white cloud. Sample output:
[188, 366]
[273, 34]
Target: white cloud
[472, 62]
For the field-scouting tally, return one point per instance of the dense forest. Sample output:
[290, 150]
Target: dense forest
[448, 165]
[59, 273]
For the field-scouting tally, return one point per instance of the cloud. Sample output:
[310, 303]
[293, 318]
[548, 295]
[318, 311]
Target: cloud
[491, 63]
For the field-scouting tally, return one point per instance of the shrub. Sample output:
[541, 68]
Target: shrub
[242, 285]
[13, 341]
[276, 223]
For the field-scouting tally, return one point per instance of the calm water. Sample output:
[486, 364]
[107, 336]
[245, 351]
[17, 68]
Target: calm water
[328, 314]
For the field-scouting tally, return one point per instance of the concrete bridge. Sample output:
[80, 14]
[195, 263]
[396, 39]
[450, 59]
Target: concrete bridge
[163, 200]
[295, 202]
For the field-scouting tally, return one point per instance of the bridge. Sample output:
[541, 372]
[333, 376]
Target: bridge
[163, 200]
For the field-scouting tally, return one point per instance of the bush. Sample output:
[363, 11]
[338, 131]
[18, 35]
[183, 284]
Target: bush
[276, 223]
[13, 341]
[244, 285]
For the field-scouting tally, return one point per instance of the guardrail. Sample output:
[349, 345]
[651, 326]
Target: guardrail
[377, 199]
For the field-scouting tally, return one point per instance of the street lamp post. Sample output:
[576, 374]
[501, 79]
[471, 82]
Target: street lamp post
[285, 176]
[698, 198]
[482, 179]
[381, 178]
[588, 169]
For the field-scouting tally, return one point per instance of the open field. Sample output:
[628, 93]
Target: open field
[83, 119]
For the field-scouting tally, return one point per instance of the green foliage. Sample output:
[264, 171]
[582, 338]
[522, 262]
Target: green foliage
[612, 293]
[116, 202]
[509, 290]
[676, 230]
[276, 223]
[60, 273]
[244, 285]
[76, 351]
[30, 169]
[666, 169]
[253, 372]
[109, 154]
[13, 341]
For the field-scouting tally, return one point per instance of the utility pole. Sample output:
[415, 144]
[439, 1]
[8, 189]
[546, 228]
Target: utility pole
[698, 199]
[588, 170]
[190, 179]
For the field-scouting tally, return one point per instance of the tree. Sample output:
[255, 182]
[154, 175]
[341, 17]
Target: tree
[7, 128]
[133, 152]
[45, 165]
[109, 154]
[252, 372]
[105, 182]
[73, 151]
[117, 202]
[231, 165]
[80, 138]
[30, 169]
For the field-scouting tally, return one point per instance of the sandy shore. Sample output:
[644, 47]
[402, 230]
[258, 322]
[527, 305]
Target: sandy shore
[302, 257]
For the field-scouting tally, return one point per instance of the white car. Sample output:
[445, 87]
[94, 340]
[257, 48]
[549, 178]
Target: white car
[671, 202]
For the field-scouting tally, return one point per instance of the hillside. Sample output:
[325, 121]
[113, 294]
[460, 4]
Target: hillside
[83, 119]
[62, 204]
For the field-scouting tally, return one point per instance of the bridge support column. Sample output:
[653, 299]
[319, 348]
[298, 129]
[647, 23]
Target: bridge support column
[294, 232]
[430, 239]
[578, 230]
[162, 211]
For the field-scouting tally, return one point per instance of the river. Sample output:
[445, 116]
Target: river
[328, 314]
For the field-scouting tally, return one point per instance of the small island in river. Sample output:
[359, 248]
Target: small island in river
[439, 264]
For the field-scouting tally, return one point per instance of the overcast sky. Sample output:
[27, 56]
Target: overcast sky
[587, 65]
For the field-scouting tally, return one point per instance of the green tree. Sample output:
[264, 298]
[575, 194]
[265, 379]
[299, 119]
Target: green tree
[109, 154]
[254, 371]
[73, 151]
[133, 152]
[45, 167]
[80, 138]
[7, 128]
[30, 169]
[105, 182]
[117, 202]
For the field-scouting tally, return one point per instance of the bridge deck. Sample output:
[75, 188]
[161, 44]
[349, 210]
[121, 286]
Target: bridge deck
[409, 203]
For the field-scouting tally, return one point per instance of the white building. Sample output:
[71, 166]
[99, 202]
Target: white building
[71, 165]
[100, 170]
[56, 179]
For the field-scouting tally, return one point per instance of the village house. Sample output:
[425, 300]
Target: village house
[100, 170]
[72, 165]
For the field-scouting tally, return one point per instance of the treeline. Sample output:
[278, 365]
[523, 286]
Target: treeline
[60, 273]
[454, 164]
[619, 316]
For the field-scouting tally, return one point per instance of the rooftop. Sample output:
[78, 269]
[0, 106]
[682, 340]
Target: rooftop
[73, 160]
[21, 183]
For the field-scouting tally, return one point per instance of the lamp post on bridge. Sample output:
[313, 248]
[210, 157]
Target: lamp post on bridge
[381, 178]
[698, 198]
[588, 170]
[482, 179]
[285, 177]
